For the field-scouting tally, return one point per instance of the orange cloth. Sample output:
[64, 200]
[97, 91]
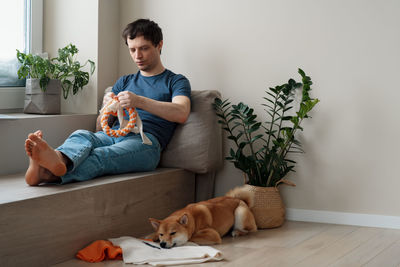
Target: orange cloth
[100, 250]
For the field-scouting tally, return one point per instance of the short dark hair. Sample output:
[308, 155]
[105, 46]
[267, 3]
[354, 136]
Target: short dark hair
[143, 27]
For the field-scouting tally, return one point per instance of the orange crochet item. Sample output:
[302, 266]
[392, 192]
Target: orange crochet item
[121, 132]
[100, 250]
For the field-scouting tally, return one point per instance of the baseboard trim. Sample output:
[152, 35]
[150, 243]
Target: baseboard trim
[368, 220]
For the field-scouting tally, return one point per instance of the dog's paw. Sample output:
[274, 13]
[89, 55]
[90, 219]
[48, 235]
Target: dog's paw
[235, 233]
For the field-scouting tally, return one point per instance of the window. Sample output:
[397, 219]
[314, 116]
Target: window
[13, 19]
[20, 28]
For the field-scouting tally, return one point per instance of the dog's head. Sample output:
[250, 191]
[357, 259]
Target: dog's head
[171, 232]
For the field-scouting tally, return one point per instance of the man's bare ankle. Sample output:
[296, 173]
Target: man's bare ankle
[67, 162]
[48, 177]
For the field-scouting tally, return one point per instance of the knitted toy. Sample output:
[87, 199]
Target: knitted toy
[114, 108]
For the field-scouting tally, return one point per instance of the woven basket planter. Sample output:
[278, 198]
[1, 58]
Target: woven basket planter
[268, 210]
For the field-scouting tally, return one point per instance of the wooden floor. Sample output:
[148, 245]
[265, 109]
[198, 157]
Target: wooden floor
[301, 244]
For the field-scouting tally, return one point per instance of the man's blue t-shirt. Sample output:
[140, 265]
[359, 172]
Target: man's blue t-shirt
[161, 87]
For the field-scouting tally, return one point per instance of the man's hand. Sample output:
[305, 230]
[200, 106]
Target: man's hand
[128, 99]
[107, 97]
[176, 111]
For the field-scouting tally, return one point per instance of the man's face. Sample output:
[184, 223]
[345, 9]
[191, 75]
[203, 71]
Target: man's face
[144, 53]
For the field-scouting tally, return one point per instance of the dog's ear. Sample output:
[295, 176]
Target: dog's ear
[155, 223]
[184, 219]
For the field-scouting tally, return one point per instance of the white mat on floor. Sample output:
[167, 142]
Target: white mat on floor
[137, 251]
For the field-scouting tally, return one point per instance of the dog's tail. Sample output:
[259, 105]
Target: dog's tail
[242, 194]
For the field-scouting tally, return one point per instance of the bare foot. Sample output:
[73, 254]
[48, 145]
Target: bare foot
[29, 144]
[32, 176]
[35, 173]
[32, 173]
[44, 155]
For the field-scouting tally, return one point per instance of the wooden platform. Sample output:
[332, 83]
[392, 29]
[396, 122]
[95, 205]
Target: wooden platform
[45, 225]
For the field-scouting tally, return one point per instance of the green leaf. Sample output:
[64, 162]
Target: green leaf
[301, 72]
[269, 100]
[289, 101]
[232, 138]
[235, 126]
[255, 138]
[250, 119]
[270, 107]
[254, 127]
[232, 153]
[242, 145]
[286, 118]
[273, 96]
[92, 67]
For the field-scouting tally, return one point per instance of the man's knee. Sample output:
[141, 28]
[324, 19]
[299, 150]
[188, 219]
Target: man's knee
[82, 133]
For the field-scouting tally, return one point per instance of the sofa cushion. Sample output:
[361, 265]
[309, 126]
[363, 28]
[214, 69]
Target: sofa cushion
[197, 144]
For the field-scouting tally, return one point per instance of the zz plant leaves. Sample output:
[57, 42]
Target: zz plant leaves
[269, 164]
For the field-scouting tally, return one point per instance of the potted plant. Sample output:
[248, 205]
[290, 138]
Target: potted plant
[48, 77]
[262, 151]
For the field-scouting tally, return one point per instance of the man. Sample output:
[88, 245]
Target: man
[161, 98]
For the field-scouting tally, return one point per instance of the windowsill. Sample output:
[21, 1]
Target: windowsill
[19, 116]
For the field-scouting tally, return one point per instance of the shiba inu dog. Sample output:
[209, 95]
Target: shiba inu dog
[207, 221]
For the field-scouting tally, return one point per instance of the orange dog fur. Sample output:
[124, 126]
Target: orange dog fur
[207, 221]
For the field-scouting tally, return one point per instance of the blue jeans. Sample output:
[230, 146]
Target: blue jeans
[97, 154]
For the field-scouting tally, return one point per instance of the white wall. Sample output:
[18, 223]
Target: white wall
[93, 26]
[108, 46]
[351, 51]
[76, 22]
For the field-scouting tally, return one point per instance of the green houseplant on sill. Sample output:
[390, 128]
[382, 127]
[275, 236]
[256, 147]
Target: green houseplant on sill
[46, 78]
[262, 151]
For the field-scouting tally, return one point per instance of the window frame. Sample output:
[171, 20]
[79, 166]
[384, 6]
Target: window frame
[12, 98]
